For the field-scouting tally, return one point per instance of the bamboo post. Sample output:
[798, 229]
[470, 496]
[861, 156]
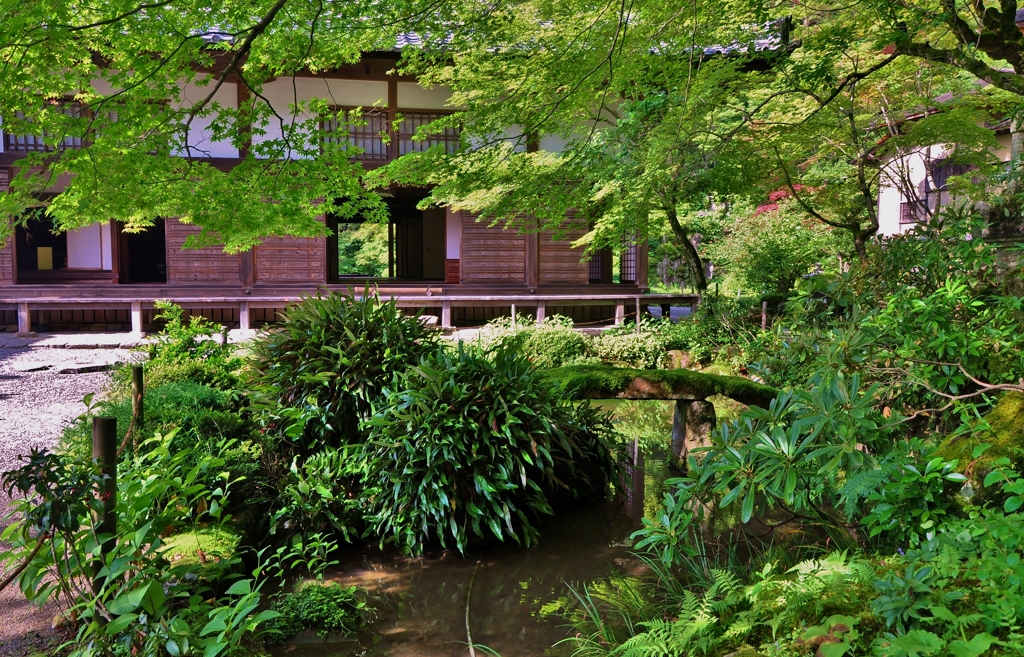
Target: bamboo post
[104, 451]
[138, 391]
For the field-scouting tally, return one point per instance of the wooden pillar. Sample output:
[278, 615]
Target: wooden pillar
[24, 319]
[513, 317]
[137, 317]
[637, 316]
[620, 311]
[446, 314]
[138, 397]
[642, 258]
[243, 316]
[104, 451]
[392, 111]
[245, 115]
[541, 310]
[533, 257]
[391, 249]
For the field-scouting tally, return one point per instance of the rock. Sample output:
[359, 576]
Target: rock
[26, 334]
[678, 360]
[84, 369]
[428, 320]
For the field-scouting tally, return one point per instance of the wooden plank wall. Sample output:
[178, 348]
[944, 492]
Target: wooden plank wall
[491, 255]
[206, 265]
[7, 261]
[559, 262]
[7, 249]
[291, 260]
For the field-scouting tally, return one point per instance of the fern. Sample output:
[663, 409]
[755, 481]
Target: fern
[693, 631]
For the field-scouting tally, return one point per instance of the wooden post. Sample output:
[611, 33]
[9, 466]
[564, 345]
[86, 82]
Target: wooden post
[104, 451]
[513, 317]
[620, 311]
[764, 315]
[541, 310]
[638, 315]
[24, 319]
[446, 314]
[137, 317]
[243, 316]
[138, 391]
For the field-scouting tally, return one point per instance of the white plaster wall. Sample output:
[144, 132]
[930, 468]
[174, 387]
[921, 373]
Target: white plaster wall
[283, 95]
[412, 96]
[89, 248]
[897, 175]
[453, 234]
[199, 131]
[553, 143]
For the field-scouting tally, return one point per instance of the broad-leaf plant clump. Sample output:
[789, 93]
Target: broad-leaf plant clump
[467, 446]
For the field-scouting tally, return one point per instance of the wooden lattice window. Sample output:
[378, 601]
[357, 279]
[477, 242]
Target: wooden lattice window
[596, 269]
[627, 261]
[413, 120]
[912, 212]
[38, 143]
[365, 131]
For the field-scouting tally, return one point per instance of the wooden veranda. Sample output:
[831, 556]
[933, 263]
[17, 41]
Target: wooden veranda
[620, 302]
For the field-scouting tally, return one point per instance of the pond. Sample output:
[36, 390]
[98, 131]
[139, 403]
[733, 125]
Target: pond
[515, 595]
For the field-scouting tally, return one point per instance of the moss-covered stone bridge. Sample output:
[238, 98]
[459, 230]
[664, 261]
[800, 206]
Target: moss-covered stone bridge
[694, 417]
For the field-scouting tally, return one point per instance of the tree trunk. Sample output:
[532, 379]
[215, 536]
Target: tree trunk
[693, 261]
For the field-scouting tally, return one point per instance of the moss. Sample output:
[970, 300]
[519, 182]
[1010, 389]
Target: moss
[1006, 437]
[216, 543]
[607, 382]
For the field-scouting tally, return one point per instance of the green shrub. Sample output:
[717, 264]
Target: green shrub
[325, 608]
[645, 350]
[319, 495]
[193, 351]
[202, 418]
[318, 373]
[150, 606]
[550, 343]
[468, 445]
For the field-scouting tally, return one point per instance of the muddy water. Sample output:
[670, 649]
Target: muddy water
[517, 597]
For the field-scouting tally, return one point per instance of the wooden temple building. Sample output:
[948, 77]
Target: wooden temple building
[442, 261]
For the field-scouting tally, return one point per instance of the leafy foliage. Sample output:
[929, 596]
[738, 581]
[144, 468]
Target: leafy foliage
[467, 446]
[195, 350]
[319, 373]
[325, 608]
[143, 602]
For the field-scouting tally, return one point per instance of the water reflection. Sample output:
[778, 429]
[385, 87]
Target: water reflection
[519, 596]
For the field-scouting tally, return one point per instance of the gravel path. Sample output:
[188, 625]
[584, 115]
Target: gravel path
[36, 401]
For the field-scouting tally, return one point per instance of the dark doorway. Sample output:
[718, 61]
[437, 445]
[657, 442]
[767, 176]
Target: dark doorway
[145, 255]
[40, 251]
[411, 246]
